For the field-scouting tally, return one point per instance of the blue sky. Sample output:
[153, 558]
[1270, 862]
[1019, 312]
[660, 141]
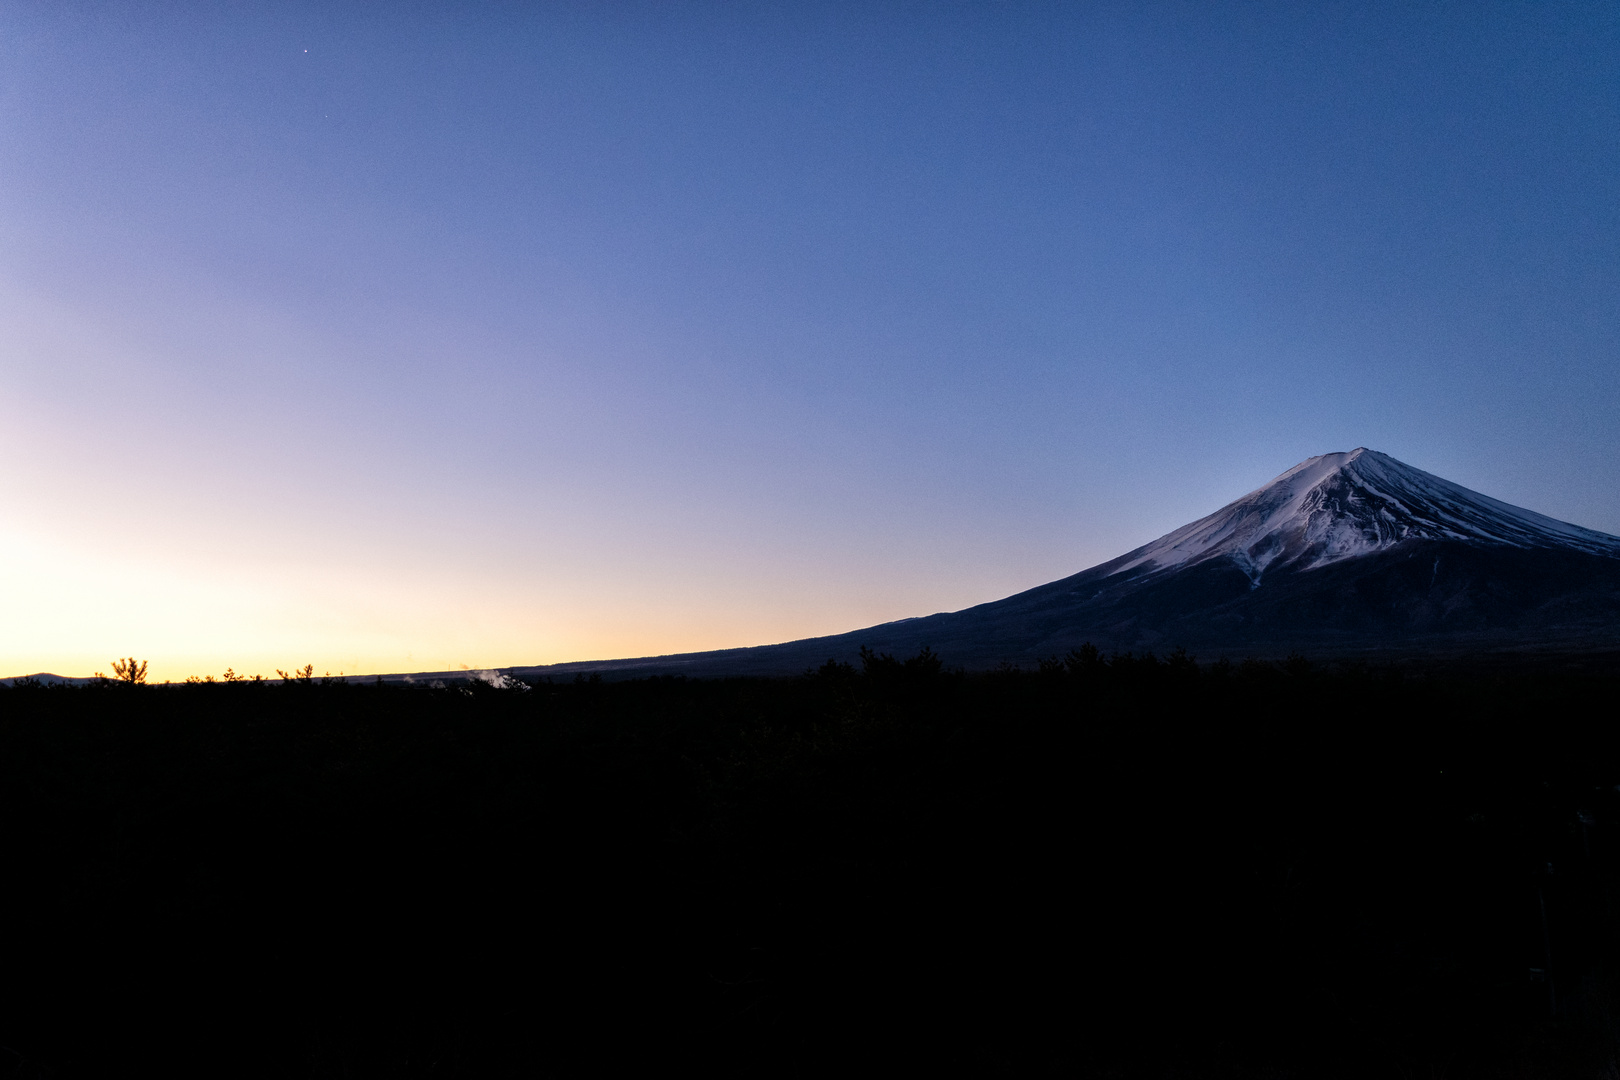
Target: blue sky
[396, 337]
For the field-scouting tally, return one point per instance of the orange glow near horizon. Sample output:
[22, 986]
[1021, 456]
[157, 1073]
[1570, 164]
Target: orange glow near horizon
[71, 611]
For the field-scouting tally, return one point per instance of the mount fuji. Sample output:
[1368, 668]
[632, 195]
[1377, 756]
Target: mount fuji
[1344, 554]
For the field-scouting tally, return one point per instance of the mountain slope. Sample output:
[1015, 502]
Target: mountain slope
[1344, 553]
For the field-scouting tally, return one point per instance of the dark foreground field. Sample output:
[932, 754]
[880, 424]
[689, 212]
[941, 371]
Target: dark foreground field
[1125, 869]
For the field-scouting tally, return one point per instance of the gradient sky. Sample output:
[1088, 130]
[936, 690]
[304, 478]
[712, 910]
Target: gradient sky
[387, 337]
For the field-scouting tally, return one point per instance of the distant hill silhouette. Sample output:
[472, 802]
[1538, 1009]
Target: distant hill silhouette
[44, 677]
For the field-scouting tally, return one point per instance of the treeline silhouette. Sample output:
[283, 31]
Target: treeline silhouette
[1116, 865]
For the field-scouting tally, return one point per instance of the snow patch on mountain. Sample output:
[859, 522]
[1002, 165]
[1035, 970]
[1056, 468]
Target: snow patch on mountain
[1339, 506]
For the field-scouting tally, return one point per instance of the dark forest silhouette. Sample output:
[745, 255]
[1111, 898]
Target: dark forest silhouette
[1128, 864]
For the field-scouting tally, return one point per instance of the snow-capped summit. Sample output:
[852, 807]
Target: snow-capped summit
[1338, 506]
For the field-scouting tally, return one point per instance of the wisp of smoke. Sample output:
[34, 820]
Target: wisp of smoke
[497, 680]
